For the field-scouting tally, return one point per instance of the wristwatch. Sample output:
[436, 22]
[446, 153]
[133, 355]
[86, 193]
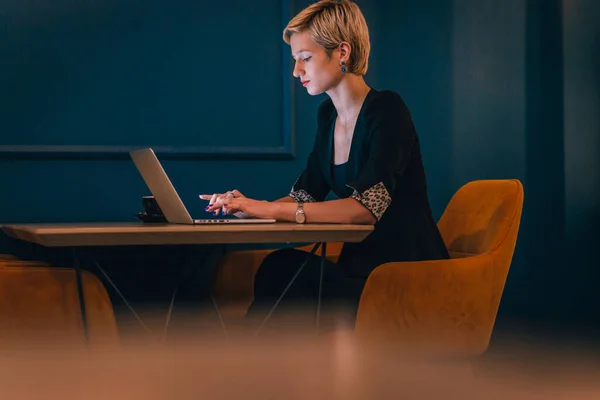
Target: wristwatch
[300, 216]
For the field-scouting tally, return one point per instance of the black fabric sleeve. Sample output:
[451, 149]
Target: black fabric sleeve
[391, 137]
[311, 185]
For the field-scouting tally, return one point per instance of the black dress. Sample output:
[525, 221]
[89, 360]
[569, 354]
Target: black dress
[385, 173]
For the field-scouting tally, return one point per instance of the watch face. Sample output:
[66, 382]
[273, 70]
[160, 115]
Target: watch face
[300, 218]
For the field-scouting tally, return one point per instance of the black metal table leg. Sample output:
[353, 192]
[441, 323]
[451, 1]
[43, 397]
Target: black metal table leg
[81, 296]
[214, 304]
[135, 314]
[166, 328]
[211, 295]
[171, 304]
[312, 252]
[216, 308]
[323, 259]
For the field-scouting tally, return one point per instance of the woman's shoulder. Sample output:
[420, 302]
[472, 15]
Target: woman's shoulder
[326, 110]
[378, 103]
[387, 108]
[384, 101]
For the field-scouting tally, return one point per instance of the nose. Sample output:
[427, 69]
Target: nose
[298, 71]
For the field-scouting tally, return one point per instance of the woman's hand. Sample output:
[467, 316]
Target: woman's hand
[251, 207]
[216, 202]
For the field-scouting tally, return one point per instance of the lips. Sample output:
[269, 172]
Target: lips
[304, 83]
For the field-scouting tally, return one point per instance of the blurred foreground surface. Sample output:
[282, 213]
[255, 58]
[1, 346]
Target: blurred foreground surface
[283, 368]
[290, 366]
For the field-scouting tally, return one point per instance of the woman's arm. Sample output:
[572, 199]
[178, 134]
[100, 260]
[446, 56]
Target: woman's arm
[286, 199]
[341, 211]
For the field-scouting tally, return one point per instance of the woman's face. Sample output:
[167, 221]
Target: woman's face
[317, 72]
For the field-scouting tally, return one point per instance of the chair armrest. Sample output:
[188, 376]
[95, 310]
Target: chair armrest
[234, 274]
[23, 263]
[441, 306]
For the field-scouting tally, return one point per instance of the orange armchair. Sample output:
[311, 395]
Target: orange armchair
[445, 306]
[449, 307]
[39, 302]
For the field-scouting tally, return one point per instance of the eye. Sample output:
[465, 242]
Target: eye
[307, 59]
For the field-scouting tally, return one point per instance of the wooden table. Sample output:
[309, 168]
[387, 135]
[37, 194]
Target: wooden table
[138, 233]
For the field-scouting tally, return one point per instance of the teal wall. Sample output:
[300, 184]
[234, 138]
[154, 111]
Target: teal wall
[581, 145]
[497, 90]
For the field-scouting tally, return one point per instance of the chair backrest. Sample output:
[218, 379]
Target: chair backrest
[483, 216]
[41, 304]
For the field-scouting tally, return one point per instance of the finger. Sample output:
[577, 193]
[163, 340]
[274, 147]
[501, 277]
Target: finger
[231, 202]
[237, 193]
[205, 196]
[221, 199]
[221, 202]
[227, 196]
[216, 202]
[211, 203]
[218, 207]
[230, 208]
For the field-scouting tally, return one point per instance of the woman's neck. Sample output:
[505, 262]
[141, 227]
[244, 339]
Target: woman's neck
[348, 95]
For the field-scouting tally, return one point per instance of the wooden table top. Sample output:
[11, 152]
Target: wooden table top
[138, 233]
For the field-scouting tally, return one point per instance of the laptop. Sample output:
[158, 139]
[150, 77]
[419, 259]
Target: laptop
[167, 197]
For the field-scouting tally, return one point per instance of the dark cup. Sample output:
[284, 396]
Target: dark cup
[151, 207]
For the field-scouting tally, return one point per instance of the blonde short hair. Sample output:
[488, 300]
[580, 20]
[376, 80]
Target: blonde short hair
[331, 22]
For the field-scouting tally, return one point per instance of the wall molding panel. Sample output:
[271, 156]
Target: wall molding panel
[282, 149]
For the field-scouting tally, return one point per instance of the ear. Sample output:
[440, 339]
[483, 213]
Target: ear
[344, 50]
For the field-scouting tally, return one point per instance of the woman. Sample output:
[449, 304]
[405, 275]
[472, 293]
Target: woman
[366, 152]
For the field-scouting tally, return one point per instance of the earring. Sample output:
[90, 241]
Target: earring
[344, 69]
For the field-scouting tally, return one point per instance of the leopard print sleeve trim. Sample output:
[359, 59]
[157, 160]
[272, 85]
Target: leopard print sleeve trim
[302, 196]
[376, 199]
